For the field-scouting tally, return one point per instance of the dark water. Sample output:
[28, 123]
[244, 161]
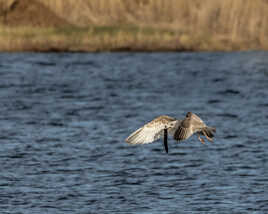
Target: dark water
[64, 118]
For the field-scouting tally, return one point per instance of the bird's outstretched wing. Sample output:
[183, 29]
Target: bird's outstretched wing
[153, 130]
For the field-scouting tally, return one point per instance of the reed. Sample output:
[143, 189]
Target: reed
[149, 25]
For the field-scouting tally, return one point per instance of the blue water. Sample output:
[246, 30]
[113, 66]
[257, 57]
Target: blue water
[64, 118]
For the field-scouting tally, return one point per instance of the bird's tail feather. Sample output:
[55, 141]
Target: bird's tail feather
[209, 131]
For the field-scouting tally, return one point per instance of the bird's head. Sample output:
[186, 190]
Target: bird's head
[192, 116]
[189, 114]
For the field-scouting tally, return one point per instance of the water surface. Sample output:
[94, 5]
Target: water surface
[64, 118]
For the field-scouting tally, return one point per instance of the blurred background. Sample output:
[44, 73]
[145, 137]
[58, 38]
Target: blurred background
[95, 25]
[78, 76]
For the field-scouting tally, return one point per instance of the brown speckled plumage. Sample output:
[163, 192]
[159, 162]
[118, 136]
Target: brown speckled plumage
[178, 129]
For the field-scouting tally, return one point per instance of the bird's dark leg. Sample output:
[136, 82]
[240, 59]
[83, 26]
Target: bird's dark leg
[165, 140]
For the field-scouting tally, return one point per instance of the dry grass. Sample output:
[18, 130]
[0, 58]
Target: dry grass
[94, 38]
[143, 25]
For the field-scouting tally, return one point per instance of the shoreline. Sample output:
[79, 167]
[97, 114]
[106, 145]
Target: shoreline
[138, 25]
[113, 39]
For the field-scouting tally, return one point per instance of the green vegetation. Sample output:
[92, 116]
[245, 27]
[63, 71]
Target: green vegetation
[94, 38]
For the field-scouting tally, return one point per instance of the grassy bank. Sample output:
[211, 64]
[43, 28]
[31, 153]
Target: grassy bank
[106, 38]
[138, 25]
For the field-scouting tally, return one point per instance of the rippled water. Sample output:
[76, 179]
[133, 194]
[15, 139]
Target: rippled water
[64, 118]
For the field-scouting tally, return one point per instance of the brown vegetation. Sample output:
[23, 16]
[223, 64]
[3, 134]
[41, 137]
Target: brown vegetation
[17, 13]
[95, 25]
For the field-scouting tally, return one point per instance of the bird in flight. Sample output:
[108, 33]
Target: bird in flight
[163, 126]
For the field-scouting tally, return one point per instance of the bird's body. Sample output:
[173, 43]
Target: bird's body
[178, 129]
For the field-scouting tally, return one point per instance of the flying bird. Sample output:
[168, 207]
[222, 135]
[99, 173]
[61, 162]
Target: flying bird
[163, 126]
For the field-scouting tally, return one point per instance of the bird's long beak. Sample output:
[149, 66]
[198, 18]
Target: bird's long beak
[165, 140]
